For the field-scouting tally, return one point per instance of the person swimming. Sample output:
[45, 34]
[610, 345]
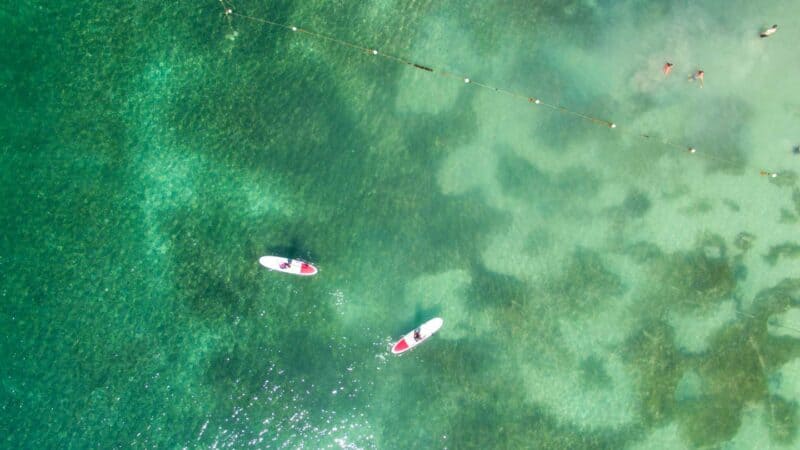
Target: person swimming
[769, 31]
[667, 68]
[697, 76]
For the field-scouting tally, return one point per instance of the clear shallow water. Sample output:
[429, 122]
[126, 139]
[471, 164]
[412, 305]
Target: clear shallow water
[598, 289]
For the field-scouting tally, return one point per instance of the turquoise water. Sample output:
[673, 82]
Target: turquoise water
[599, 289]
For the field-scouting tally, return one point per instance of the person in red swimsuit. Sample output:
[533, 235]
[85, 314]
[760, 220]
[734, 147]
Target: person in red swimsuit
[667, 68]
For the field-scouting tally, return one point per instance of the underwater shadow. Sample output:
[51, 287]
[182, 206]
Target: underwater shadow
[295, 249]
[423, 314]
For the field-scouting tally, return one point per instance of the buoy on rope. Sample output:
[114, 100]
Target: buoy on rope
[228, 11]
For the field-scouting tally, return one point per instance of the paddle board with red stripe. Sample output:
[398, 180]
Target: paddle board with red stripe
[418, 336]
[287, 265]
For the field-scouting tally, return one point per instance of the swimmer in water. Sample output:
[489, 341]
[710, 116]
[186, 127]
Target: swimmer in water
[769, 31]
[667, 68]
[698, 76]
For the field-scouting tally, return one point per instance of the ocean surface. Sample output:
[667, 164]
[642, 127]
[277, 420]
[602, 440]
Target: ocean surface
[600, 287]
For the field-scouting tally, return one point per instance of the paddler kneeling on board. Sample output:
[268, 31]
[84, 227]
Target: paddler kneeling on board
[417, 335]
[287, 264]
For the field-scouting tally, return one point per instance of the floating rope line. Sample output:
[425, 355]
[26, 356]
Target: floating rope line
[229, 13]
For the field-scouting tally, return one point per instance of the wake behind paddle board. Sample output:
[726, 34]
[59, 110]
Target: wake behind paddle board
[410, 341]
[288, 265]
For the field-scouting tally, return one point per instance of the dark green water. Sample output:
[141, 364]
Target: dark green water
[599, 290]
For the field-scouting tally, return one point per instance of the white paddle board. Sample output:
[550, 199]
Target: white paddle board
[418, 336]
[288, 265]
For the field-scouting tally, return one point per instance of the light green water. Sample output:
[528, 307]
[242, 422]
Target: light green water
[599, 289]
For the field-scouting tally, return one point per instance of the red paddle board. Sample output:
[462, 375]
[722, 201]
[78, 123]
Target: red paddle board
[417, 336]
[288, 265]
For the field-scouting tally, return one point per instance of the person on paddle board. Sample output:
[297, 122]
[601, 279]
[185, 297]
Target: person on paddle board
[417, 335]
[287, 264]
